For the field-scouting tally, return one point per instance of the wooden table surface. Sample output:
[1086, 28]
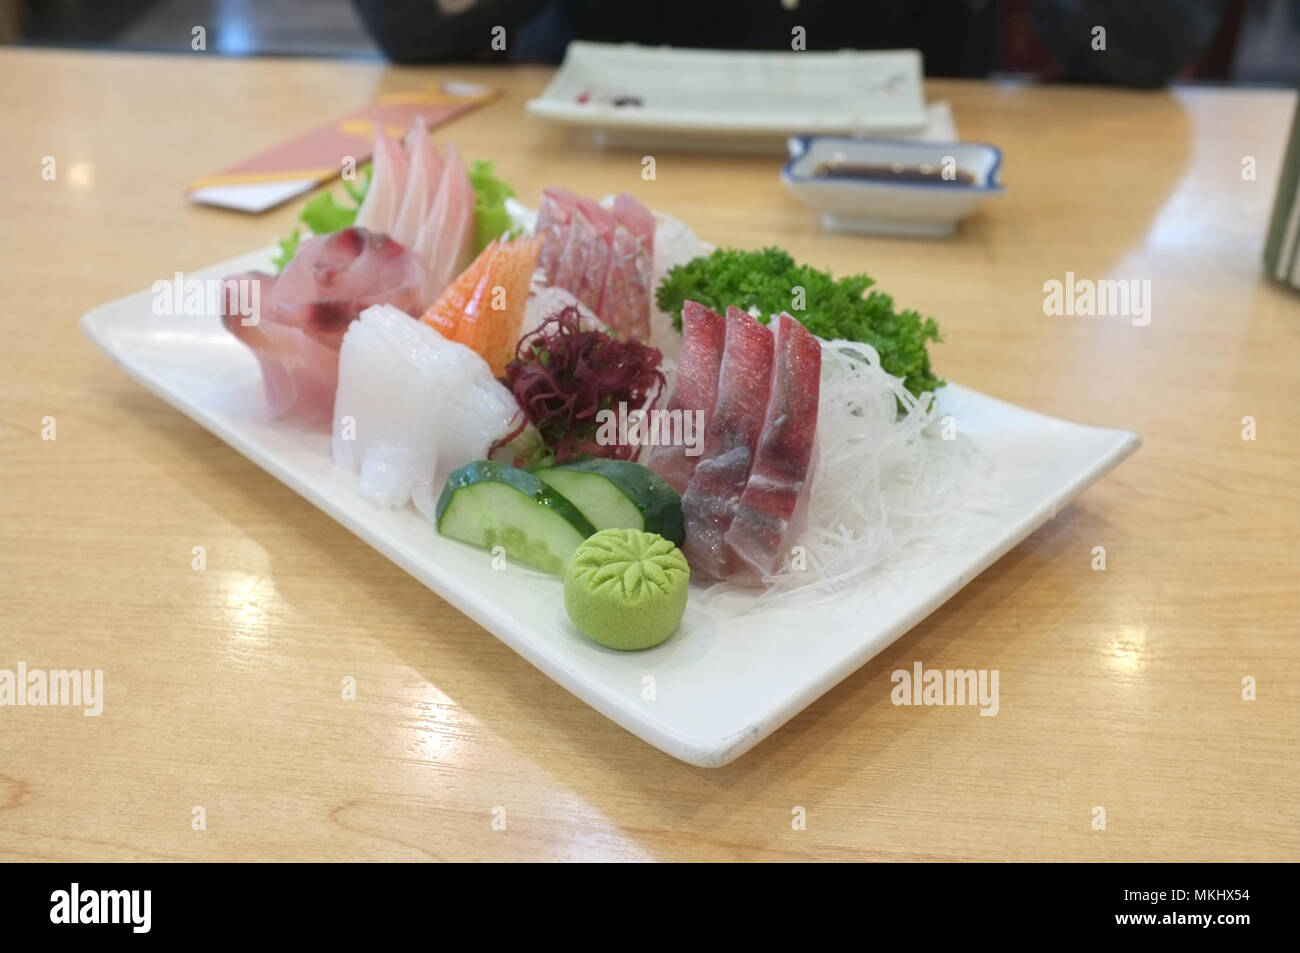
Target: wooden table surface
[1120, 689]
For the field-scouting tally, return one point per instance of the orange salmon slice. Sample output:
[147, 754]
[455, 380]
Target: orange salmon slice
[444, 315]
[512, 274]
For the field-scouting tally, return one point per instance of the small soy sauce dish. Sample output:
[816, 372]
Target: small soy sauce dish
[891, 186]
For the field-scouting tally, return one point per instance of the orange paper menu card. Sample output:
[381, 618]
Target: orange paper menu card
[304, 162]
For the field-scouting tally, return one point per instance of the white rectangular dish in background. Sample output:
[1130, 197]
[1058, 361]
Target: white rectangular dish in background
[721, 99]
[723, 682]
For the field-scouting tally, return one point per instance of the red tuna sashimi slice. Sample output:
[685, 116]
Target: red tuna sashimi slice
[730, 441]
[553, 214]
[765, 522]
[696, 389]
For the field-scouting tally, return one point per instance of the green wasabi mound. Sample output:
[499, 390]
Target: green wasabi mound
[626, 588]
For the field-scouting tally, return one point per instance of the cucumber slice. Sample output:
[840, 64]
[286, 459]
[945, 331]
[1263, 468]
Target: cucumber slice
[619, 494]
[490, 504]
[526, 451]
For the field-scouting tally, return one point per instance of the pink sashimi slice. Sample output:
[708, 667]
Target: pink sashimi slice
[573, 256]
[595, 272]
[460, 229]
[445, 238]
[638, 299]
[599, 216]
[617, 295]
[640, 222]
[418, 138]
[388, 174]
[553, 214]
[303, 314]
[421, 184]
[588, 279]
[694, 393]
[625, 299]
[765, 524]
[299, 372]
[730, 442]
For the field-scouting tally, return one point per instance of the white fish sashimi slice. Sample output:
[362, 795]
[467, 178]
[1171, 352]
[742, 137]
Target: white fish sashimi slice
[422, 179]
[388, 175]
[443, 243]
[415, 406]
[546, 301]
[461, 228]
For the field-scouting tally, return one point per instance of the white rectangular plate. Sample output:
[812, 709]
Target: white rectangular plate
[728, 97]
[722, 683]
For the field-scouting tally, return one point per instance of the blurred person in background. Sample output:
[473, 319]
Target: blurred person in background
[1147, 42]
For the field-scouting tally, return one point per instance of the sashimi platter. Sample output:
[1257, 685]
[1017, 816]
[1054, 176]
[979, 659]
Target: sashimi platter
[696, 486]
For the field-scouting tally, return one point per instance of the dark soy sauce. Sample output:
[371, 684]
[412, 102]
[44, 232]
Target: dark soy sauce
[929, 174]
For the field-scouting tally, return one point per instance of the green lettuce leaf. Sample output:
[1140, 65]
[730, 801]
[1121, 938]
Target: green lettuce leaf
[490, 217]
[833, 307]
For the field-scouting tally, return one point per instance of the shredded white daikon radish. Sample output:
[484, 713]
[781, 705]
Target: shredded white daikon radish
[887, 489]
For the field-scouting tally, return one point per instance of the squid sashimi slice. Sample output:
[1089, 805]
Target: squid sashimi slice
[445, 313]
[388, 173]
[766, 520]
[421, 183]
[730, 440]
[703, 335]
[304, 313]
[553, 214]
[385, 424]
[411, 407]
